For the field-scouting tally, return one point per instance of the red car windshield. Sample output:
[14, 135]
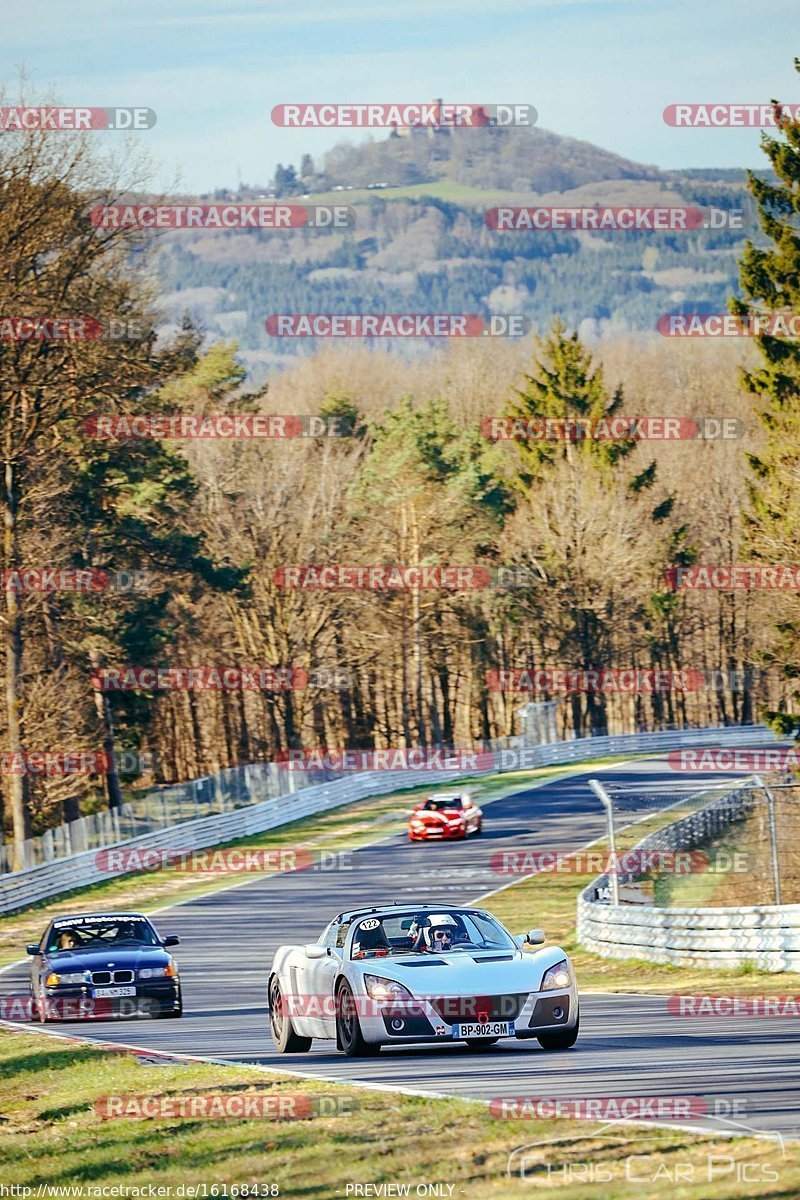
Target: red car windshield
[443, 805]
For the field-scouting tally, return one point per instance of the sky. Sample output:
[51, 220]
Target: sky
[600, 70]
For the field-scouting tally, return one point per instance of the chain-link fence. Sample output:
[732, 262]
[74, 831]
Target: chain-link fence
[715, 844]
[161, 808]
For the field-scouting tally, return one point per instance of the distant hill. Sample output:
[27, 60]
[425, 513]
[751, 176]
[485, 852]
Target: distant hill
[518, 160]
[421, 243]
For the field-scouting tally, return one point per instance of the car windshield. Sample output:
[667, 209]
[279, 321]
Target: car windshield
[442, 805]
[100, 932]
[442, 932]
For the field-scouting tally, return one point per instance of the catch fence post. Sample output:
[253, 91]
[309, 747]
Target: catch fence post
[773, 837]
[608, 805]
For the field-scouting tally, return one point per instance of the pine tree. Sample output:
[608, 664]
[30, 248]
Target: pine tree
[566, 385]
[285, 180]
[565, 483]
[770, 280]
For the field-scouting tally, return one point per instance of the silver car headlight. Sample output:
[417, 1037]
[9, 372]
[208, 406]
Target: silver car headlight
[557, 977]
[378, 988]
[73, 977]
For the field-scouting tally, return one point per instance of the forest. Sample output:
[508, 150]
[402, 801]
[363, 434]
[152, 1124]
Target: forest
[186, 541]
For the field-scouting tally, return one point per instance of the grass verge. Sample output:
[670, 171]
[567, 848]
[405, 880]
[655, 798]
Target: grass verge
[53, 1138]
[549, 900]
[743, 851]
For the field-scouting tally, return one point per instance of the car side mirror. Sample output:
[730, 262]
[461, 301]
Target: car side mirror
[535, 937]
[32, 949]
[172, 939]
[314, 950]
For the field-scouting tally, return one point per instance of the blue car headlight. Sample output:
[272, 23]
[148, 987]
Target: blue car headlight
[168, 972]
[56, 980]
[557, 977]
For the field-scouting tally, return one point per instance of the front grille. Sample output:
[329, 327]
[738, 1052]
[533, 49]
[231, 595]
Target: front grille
[479, 1008]
[104, 978]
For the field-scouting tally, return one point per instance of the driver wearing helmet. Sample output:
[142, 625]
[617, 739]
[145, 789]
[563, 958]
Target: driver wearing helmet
[437, 934]
[439, 939]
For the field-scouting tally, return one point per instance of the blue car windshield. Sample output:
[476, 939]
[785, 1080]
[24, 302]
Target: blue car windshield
[100, 933]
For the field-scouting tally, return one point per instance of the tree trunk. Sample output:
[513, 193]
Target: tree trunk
[197, 737]
[18, 782]
[243, 744]
[103, 709]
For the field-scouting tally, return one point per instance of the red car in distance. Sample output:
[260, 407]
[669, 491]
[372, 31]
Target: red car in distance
[445, 815]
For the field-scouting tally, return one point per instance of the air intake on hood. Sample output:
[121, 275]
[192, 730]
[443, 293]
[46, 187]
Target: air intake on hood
[495, 958]
[426, 962]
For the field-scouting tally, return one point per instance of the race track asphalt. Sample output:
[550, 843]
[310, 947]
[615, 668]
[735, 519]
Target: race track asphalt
[747, 1069]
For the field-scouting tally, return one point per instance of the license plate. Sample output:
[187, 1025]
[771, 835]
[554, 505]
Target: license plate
[115, 991]
[479, 1029]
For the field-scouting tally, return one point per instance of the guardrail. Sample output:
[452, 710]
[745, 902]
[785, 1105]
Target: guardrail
[236, 787]
[767, 936]
[22, 888]
[161, 808]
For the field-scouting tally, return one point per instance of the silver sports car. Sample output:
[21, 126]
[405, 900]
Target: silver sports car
[410, 973]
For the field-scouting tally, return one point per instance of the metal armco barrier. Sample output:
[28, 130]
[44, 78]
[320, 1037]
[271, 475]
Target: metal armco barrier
[19, 889]
[767, 935]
